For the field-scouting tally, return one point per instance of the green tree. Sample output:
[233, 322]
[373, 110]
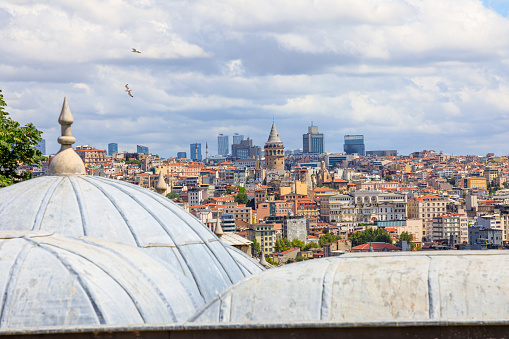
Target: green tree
[409, 238]
[296, 243]
[388, 178]
[251, 203]
[172, 196]
[133, 162]
[17, 146]
[241, 198]
[327, 238]
[370, 235]
[282, 245]
[269, 260]
[310, 245]
[255, 247]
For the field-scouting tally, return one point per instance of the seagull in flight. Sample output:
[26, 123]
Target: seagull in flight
[128, 90]
[135, 50]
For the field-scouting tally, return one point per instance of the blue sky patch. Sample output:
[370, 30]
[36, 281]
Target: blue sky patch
[501, 6]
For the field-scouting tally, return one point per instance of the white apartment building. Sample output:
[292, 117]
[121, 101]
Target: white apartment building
[364, 207]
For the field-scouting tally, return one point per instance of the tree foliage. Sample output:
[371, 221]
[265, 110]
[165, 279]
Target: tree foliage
[172, 196]
[310, 245]
[327, 238]
[269, 260]
[370, 235]
[409, 238]
[255, 247]
[133, 162]
[241, 198]
[284, 244]
[17, 146]
[251, 203]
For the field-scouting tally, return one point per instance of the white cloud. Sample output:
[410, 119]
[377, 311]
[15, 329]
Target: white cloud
[233, 68]
[406, 73]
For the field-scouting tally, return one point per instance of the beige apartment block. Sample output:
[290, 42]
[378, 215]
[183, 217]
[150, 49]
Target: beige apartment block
[240, 212]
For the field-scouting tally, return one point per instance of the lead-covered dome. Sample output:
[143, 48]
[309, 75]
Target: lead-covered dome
[50, 280]
[372, 288]
[70, 203]
[82, 205]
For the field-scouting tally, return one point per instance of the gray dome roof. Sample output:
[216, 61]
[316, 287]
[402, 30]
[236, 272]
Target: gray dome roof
[246, 263]
[415, 287]
[50, 280]
[81, 205]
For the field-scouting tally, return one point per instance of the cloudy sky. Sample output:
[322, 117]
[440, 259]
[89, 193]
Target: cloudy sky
[407, 74]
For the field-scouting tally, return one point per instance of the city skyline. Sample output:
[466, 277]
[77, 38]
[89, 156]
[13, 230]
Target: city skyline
[408, 75]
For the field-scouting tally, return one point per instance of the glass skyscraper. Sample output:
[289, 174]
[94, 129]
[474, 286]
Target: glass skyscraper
[195, 151]
[181, 155]
[237, 138]
[312, 141]
[112, 148]
[223, 147]
[354, 144]
[41, 146]
[142, 149]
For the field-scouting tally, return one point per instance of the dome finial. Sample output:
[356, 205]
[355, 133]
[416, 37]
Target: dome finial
[218, 231]
[263, 262]
[66, 161]
[161, 186]
[65, 120]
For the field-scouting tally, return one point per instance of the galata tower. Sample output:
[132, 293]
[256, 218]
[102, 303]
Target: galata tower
[274, 151]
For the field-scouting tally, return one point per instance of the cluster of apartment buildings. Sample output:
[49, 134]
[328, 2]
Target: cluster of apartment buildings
[443, 201]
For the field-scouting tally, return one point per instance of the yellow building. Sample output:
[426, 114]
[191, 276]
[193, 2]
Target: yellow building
[475, 182]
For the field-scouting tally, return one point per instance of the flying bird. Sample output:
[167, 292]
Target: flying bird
[135, 50]
[128, 90]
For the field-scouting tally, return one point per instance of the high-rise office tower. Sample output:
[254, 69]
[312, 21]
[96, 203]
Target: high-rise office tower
[181, 155]
[354, 144]
[112, 148]
[245, 150]
[142, 149]
[41, 146]
[195, 150]
[223, 147]
[237, 138]
[312, 141]
[274, 151]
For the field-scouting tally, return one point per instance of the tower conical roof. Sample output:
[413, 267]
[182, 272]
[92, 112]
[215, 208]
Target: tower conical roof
[273, 136]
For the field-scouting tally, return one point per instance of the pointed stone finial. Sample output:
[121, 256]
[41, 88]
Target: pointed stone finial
[218, 231]
[161, 184]
[263, 262]
[66, 162]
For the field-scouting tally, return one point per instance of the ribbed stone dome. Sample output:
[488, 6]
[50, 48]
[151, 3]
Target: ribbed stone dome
[51, 280]
[81, 205]
[370, 289]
